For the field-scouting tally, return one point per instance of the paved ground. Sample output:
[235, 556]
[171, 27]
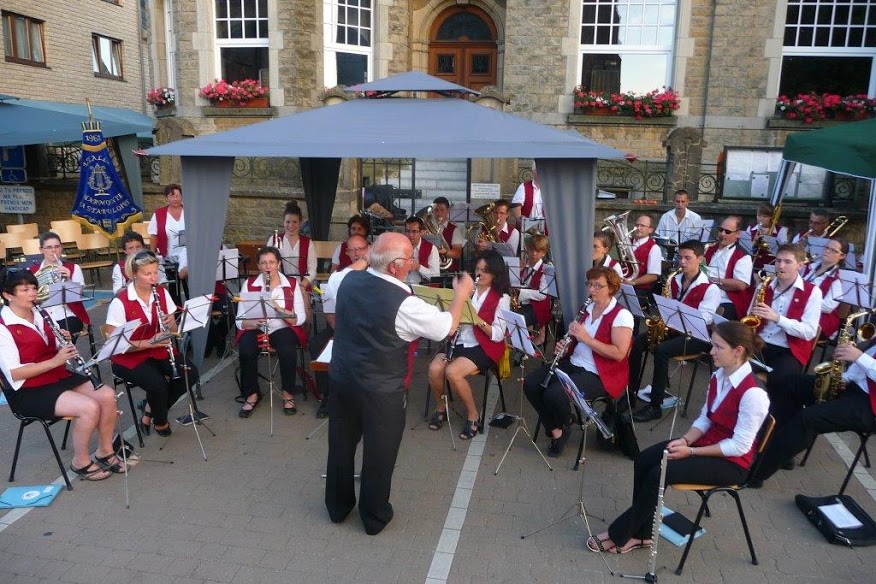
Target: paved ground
[253, 512]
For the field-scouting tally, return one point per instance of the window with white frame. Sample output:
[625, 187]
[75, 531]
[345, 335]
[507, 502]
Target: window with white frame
[347, 31]
[106, 57]
[626, 45]
[242, 39]
[829, 47]
[23, 39]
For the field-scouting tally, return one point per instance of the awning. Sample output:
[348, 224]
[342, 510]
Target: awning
[845, 148]
[26, 121]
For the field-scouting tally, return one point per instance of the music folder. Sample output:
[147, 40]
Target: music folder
[443, 298]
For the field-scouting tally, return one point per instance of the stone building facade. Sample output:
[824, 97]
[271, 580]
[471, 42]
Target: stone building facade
[726, 60]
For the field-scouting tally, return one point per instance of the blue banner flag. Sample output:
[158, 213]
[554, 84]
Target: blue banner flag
[102, 202]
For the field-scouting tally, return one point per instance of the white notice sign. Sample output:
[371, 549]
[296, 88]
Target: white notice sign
[17, 199]
[486, 191]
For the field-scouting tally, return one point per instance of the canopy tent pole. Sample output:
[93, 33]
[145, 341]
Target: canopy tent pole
[783, 177]
[870, 240]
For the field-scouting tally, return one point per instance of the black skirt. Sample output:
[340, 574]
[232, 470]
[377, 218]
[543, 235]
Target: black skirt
[39, 402]
[476, 355]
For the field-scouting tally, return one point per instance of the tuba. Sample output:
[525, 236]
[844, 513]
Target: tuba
[759, 296]
[829, 381]
[430, 224]
[489, 230]
[656, 329]
[617, 226]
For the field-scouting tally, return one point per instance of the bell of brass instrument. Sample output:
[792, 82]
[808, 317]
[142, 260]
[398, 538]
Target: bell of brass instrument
[750, 319]
[165, 332]
[76, 364]
[760, 243]
[656, 329]
[515, 299]
[617, 226]
[46, 276]
[829, 381]
[430, 224]
[489, 229]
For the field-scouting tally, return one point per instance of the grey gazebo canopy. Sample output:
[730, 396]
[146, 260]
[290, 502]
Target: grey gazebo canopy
[390, 128]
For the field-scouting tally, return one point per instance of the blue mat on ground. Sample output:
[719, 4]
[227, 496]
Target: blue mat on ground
[34, 496]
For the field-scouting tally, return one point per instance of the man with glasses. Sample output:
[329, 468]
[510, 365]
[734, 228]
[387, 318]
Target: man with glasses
[647, 255]
[505, 232]
[818, 223]
[72, 316]
[679, 224]
[426, 259]
[378, 320]
[730, 269]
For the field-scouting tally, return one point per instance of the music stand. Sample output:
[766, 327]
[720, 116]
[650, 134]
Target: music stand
[260, 306]
[513, 265]
[196, 314]
[228, 268]
[745, 242]
[62, 294]
[518, 336]
[589, 417]
[857, 291]
[629, 299]
[705, 231]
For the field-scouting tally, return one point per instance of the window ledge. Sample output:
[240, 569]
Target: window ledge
[238, 112]
[585, 120]
[28, 62]
[777, 123]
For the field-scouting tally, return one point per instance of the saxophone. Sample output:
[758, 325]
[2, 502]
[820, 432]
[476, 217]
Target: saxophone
[759, 296]
[656, 329]
[829, 382]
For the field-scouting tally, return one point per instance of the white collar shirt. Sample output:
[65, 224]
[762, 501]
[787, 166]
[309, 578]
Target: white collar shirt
[776, 333]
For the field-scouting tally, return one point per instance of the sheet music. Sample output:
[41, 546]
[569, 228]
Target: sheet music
[857, 291]
[841, 517]
[513, 264]
[705, 232]
[443, 298]
[503, 248]
[516, 327]
[745, 241]
[63, 292]
[630, 300]
[575, 394]
[549, 280]
[118, 342]
[230, 259]
[196, 313]
[326, 355]
[258, 306]
[682, 318]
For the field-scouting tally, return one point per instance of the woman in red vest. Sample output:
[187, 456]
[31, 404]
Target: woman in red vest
[147, 363]
[598, 364]
[824, 273]
[299, 257]
[37, 382]
[284, 334]
[165, 228]
[717, 450]
[477, 347]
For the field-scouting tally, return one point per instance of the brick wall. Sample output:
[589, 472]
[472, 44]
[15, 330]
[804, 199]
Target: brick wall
[68, 76]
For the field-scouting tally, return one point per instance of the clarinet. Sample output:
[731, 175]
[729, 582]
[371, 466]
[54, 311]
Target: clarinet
[558, 354]
[165, 331]
[76, 364]
[448, 356]
[658, 521]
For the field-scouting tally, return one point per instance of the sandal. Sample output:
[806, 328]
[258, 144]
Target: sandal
[248, 407]
[595, 544]
[289, 407]
[469, 430]
[105, 462]
[90, 473]
[437, 420]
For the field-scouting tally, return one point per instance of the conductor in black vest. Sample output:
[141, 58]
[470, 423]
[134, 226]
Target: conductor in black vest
[377, 319]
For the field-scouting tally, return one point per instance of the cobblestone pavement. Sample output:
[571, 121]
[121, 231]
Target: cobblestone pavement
[253, 512]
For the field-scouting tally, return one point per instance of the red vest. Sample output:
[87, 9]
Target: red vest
[541, 308]
[77, 308]
[254, 284]
[694, 296]
[303, 251]
[344, 259]
[134, 311]
[162, 245]
[504, 236]
[641, 254]
[447, 233]
[33, 349]
[487, 313]
[615, 375]
[740, 298]
[829, 321]
[424, 252]
[528, 198]
[724, 418]
[122, 270]
[800, 348]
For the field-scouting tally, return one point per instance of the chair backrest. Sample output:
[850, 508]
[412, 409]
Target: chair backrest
[142, 228]
[764, 435]
[30, 246]
[68, 230]
[92, 241]
[28, 229]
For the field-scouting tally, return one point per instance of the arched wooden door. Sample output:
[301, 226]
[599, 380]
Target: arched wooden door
[462, 47]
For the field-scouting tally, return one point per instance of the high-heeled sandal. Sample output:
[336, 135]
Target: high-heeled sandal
[289, 407]
[163, 432]
[469, 430]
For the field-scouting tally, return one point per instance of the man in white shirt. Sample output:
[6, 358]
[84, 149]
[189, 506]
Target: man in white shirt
[679, 224]
[647, 255]
[454, 236]
[527, 201]
[504, 231]
[730, 269]
[426, 258]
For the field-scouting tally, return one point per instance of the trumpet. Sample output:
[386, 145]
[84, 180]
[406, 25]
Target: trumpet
[75, 364]
[560, 347]
[448, 355]
[166, 333]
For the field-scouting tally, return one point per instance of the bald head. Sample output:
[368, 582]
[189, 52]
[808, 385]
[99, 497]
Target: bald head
[389, 247]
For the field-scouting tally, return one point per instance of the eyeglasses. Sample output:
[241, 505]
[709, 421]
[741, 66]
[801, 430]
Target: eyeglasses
[145, 255]
[596, 285]
[406, 260]
[642, 225]
[831, 250]
[727, 231]
[52, 246]
[356, 249]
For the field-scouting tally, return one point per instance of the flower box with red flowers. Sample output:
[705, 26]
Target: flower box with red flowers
[245, 93]
[654, 104]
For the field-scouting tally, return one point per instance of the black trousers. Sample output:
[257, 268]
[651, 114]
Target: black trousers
[663, 353]
[285, 343]
[528, 313]
[729, 311]
[552, 404]
[154, 376]
[638, 520]
[378, 419]
[799, 419]
[315, 345]
[783, 363]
